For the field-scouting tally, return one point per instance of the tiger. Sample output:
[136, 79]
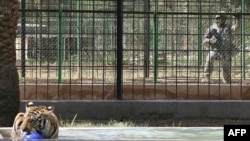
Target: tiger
[36, 119]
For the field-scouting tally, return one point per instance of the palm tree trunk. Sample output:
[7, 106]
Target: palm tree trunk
[9, 88]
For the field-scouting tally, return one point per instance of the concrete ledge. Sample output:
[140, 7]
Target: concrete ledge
[135, 92]
[147, 109]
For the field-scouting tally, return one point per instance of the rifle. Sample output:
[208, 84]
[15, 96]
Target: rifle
[218, 38]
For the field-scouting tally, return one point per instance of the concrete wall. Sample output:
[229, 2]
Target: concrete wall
[143, 109]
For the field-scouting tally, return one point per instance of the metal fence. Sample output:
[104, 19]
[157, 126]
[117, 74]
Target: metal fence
[126, 49]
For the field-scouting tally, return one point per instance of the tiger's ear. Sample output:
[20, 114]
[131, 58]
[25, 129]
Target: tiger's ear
[29, 104]
[50, 108]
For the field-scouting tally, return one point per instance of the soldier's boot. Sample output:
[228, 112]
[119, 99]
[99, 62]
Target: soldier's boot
[206, 78]
[226, 79]
[226, 72]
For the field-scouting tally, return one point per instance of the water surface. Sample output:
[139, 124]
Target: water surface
[143, 133]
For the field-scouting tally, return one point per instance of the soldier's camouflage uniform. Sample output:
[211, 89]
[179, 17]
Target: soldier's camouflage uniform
[223, 49]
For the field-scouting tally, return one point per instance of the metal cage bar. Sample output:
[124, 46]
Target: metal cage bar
[130, 49]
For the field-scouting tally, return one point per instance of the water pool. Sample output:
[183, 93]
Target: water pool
[141, 133]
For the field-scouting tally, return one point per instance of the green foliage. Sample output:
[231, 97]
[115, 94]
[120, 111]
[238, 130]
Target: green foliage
[110, 123]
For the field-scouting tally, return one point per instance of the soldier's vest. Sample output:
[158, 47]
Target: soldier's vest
[227, 40]
[225, 33]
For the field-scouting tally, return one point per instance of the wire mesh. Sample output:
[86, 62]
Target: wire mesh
[75, 42]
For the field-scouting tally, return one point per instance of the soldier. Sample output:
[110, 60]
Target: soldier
[219, 40]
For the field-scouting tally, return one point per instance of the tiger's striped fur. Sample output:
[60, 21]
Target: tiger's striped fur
[40, 119]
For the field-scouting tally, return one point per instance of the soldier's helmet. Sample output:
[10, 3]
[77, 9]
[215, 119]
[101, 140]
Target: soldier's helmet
[221, 14]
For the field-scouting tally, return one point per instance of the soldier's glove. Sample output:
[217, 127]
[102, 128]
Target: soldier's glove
[215, 43]
[212, 41]
[208, 42]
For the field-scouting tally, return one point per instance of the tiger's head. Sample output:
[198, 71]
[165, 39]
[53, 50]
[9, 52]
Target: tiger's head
[36, 118]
